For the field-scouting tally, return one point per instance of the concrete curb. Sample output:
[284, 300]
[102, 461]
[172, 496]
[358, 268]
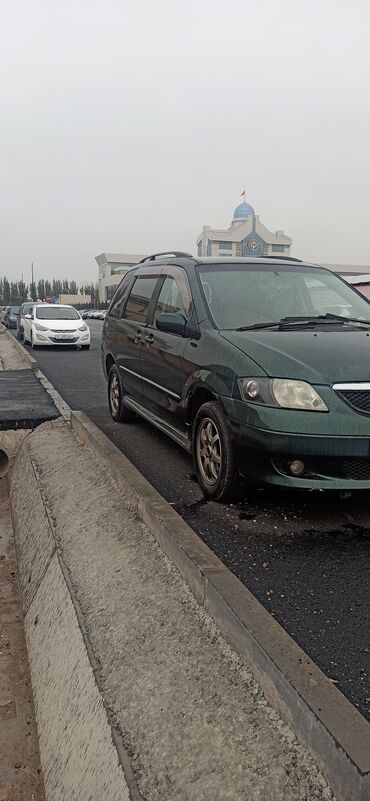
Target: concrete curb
[82, 752]
[323, 719]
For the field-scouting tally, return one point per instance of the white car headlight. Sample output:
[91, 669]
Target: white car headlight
[41, 327]
[297, 395]
[284, 392]
[83, 327]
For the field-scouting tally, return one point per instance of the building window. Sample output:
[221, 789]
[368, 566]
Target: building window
[224, 245]
[239, 249]
[200, 248]
[278, 248]
[121, 268]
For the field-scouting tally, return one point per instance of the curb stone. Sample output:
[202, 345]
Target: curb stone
[323, 719]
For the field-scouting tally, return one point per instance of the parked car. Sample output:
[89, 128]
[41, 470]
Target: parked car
[96, 314]
[24, 309]
[47, 324]
[2, 313]
[10, 316]
[242, 364]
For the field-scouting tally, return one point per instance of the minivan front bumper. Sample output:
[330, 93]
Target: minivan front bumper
[331, 461]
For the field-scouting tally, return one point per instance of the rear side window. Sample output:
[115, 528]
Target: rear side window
[120, 296]
[139, 299]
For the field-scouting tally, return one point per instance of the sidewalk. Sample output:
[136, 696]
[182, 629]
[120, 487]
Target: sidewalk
[11, 356]
[191, 721]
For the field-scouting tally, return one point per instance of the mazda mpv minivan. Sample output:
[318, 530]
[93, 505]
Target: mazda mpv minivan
[258, 366]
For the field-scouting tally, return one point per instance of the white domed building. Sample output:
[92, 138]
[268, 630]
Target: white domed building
[246, 236]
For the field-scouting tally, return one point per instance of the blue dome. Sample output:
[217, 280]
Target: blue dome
[243, 211]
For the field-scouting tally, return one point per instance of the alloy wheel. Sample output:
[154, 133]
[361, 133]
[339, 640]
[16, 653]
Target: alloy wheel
[209, 450]
[114, 394]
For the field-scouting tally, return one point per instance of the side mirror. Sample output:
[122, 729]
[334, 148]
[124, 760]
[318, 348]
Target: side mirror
[28, 316]
[172, 324]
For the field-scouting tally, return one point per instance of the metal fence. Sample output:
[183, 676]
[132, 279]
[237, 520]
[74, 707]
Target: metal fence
[99, 304]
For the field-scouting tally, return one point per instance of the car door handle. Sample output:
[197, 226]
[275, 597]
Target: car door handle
[149, 339]
[137, 337]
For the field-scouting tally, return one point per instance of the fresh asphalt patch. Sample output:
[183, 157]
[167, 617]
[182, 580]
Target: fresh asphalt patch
[23, 401]
[305, 556]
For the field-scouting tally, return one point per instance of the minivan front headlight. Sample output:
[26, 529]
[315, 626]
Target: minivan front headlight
[297, 395]
[284, 392]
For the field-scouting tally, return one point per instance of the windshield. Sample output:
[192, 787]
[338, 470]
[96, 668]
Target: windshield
[243, 295]
[56, 313]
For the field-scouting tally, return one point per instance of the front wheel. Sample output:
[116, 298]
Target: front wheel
[213, 453]
[118, 411]
[85, 347]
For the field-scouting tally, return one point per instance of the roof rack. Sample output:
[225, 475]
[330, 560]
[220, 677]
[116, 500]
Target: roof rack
[283, 258]
[177, 253]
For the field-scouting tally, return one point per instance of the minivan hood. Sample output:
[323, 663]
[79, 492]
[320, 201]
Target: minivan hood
[320, 357]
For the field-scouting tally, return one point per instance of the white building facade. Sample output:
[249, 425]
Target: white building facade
[112, 266]
[246, 236]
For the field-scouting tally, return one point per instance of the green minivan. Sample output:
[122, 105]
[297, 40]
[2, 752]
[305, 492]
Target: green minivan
[258, 366]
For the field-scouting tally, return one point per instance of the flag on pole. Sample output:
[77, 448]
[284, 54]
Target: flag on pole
[243, 194]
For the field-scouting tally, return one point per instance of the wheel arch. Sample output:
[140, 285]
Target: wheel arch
[201, 394]
[109, 362]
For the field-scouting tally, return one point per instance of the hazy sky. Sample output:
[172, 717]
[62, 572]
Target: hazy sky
[126, 125]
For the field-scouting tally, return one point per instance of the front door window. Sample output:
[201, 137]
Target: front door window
[138, 301]
[170, 300]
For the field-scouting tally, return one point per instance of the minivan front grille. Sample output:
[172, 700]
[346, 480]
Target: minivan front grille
[359, 399]
[357, 469]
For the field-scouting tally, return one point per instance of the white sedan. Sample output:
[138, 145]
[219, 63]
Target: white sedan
[48, 324]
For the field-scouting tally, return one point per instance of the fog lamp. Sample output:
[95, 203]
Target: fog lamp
[296, 467]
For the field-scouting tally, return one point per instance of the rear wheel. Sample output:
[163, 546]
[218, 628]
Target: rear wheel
[213, 453]
[118, 411]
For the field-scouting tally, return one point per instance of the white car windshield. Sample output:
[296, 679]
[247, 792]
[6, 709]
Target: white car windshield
[56, 313]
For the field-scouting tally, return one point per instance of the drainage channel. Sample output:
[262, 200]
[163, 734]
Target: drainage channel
[20, 770]
[4, 463]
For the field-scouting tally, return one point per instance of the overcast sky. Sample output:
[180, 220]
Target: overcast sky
[126, 125]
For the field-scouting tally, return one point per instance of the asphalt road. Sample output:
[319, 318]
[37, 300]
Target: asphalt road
[305, 556]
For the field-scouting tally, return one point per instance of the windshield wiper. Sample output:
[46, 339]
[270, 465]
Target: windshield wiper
[256, 325]
[319, 318]
[312, 320]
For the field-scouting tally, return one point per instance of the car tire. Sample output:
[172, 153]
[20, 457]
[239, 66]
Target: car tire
[85, 347]
[213, 453]
[119, 412]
